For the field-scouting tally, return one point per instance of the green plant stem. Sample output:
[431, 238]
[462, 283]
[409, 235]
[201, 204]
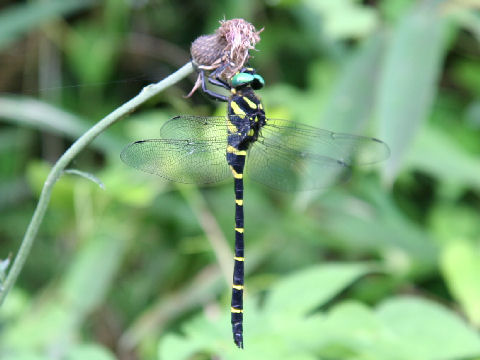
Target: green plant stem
[59, 167]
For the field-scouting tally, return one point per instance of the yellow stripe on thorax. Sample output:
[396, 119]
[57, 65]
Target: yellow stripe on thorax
[233, 150]
[236, 109]
[250, 103]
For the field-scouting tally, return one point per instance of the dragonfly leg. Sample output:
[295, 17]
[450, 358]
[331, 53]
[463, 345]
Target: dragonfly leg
[218, 82]
[209, 92]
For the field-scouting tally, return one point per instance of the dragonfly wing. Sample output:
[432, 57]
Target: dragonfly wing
[346, 148]
[185, 161]
[292, 156]
[195, 127]
[285, 169]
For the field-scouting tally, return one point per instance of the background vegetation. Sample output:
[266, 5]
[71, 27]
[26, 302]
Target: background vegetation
[385, 266]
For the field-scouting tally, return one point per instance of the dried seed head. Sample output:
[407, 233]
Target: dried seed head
[207, 49]
[227, 48]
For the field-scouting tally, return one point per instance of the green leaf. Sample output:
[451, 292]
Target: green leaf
[131, 187]
[377, 225]
[90, 275]
[24, 355]
[393, 10]
[18, 20]
[349, 327]
[472, 114]
[408, 80]
[467, 17]
[53, 320]
[351, 317]
[103, 51]
[37, 327]
[317, 285]
[456, 165]
[15, 305]
[428, 331]
[460, 264]
[467, 73]
[90, 352]
[39, 115]
[344, 18]
[279, 329]
[451, 222]
[175, 347]
[349, 105]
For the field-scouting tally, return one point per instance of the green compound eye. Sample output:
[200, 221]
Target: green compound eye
[242, 79]
[257, 82]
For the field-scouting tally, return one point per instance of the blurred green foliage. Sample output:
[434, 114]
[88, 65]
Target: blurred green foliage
[383, 267]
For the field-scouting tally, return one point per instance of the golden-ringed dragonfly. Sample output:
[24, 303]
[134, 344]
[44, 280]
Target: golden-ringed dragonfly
[281, 154]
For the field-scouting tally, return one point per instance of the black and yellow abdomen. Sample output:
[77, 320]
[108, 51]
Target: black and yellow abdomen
[246, 117]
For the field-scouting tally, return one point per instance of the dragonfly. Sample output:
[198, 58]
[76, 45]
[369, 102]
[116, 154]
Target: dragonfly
[281, 154]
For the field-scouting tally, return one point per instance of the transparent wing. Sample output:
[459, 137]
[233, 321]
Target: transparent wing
[287, 155]
[291, 156]
[184, 161]
[346, 148]
[286, 169]
[195, 127]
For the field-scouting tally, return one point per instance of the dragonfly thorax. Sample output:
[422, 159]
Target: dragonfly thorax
[246, 117]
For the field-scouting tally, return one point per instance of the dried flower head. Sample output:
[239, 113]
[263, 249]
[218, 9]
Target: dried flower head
[226, 50]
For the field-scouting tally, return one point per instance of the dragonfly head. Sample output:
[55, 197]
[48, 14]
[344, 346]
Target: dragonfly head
[248, 76]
